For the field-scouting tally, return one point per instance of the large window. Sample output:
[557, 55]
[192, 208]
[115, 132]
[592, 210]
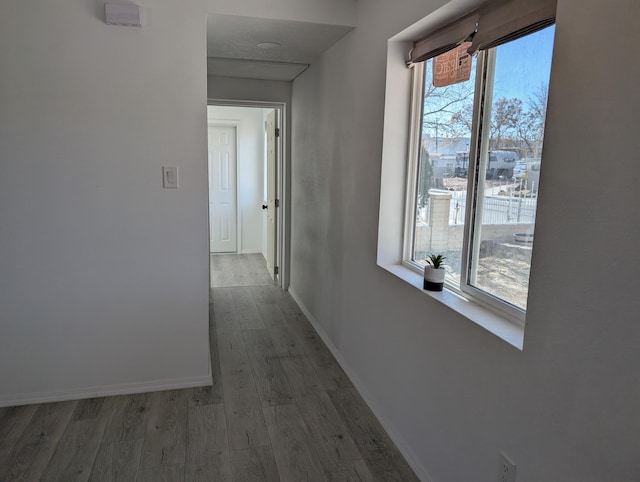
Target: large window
[476, 157]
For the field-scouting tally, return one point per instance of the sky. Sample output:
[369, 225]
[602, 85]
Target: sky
[522, 67]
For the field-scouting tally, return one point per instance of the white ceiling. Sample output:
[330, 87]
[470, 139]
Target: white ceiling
[232, 46]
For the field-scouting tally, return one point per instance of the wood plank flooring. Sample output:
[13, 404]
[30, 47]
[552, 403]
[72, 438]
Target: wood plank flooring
[280, 409]
[238, 270]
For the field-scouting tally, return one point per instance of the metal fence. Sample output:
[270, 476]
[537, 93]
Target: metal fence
[512, 208]
[509, 209]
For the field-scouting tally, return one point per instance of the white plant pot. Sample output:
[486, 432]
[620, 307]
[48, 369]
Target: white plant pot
[433, 278]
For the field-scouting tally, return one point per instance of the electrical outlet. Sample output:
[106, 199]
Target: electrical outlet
[507, 469]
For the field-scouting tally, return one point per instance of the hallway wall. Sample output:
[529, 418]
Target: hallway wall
[103, 273]
[454, 394]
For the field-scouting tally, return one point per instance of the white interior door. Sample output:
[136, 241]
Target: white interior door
[222, 189]
[272, 193]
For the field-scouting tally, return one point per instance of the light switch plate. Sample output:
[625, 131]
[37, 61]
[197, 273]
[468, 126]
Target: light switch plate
[169, 177]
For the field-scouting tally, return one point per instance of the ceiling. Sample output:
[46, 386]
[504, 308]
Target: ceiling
[232, 46]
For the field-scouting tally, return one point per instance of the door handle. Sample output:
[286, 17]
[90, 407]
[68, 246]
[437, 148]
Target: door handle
[265, 206]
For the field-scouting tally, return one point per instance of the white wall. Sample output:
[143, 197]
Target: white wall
[103, 273]
[250, 163]
[337, 12]
[249, 89]
[565, 408]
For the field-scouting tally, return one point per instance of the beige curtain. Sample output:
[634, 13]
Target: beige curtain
[506, 20]
[445, 38]
[494, 23]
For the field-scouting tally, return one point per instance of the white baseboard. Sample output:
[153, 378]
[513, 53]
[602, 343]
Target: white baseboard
[106, 391]
[408, 454]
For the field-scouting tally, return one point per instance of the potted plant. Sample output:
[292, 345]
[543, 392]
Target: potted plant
[434, 272]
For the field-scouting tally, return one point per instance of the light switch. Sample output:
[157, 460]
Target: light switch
[169, 177]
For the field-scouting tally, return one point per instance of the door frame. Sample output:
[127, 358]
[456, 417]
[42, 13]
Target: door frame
[282, 180]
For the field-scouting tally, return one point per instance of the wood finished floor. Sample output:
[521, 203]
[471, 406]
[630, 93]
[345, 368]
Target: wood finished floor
[280, 409]
[238, 270]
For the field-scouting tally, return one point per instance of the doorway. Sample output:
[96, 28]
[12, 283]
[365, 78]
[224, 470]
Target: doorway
[245, 177]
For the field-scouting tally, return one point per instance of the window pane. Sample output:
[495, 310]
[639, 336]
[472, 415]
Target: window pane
[442, 171]
[507, 194]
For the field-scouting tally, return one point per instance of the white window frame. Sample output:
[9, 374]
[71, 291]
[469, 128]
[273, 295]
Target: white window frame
[485, 69]
[415, 133]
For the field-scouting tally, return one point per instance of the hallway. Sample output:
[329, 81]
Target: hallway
[280, 409]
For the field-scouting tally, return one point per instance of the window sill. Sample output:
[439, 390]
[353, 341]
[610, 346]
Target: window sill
[500, 326]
